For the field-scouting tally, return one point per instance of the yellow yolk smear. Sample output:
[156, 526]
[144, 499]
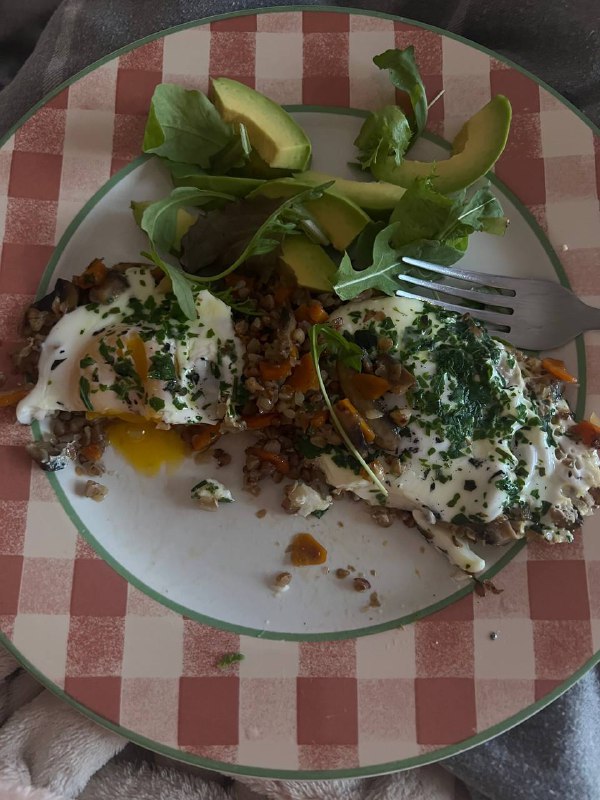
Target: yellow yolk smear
[147, 447]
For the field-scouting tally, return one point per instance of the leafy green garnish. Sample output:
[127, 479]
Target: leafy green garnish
[234, 154]
[322, 338]
[180, 282]
[84, 393]
[426, 225]
[156, 403]
[247, 306]
[404, 74]
[162, 367]
[280, 222]
[384, 133]
[160, 219]
[184, 125]
[229, 659]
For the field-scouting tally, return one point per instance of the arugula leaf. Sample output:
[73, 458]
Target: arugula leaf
[323, 337]
[482, 212]
[383, 133]
[247, 306]
[343, 349]
[235, 154]
[405, 76]
[184, 125]
[426, 225]
[160, 220]
[281, 221]
[422, 213]
[182, 288]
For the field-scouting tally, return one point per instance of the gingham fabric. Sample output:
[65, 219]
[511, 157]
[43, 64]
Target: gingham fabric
[310, 706]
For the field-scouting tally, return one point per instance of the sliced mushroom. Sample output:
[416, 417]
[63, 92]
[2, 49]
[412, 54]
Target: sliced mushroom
[386, 433]
[399, 377]
[111, 287]
[499, 531]
[65, 295]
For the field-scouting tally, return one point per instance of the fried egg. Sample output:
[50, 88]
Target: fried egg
[139, 357]
[485, 442]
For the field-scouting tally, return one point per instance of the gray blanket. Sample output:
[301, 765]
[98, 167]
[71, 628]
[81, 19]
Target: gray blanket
[556, 754]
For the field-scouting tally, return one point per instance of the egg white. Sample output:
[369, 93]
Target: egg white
[136, 356]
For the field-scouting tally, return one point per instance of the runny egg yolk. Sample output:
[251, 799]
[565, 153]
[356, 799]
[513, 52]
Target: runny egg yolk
[145, 446]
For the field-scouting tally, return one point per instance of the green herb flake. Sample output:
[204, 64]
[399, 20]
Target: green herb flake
[229, 659]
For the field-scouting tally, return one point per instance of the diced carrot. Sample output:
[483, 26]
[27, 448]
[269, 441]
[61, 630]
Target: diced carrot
[282, 294]
[274, 372]
[280, 462]
[204, 436]
[311, 312]
[304, 376]
[587, 432]
[93, 275]
[349, 416]
[91, 452]
[557, 368]
[255, 422]
[371, 387]
[319, 419]
[12, 396]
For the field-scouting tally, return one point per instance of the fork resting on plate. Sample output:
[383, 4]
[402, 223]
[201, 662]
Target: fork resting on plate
[527, 312]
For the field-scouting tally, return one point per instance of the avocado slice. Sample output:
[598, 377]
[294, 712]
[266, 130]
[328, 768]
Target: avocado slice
[256, 167]
[237, 187]
[373, 196]
[276, 137]
[340, 219]
[475, 150]
[309, 262]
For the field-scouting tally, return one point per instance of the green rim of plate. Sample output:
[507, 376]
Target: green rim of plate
[373, 769]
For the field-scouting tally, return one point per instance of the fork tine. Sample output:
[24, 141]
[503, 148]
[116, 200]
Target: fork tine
[496, 281]
[467, 294]
[487, 316]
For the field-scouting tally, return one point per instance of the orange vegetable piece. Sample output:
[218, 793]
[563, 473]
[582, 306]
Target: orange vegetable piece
[319, 419]
[274, 372]
[280, 462]
[255, 422]
[93, 275]
[282, 294]
[12, 396]
[370, 387]
[349, 416]
[305, 551]
[91, 452]
[204, 437]
[587, 432]
[304, 376]
[557, 368]
[311, 312]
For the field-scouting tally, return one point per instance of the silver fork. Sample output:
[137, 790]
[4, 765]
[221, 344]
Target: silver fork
[527, 312]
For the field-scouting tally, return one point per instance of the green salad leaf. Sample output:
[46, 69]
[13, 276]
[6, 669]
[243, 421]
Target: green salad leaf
[235, 154]
[384, 133]
[323, 337]
[426, 225]
[182, 288]
[217, 232]
[183, 125]
[162, 221]
[404, 74]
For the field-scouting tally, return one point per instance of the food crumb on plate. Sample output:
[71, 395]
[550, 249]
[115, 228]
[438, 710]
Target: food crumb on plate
[95, 491]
